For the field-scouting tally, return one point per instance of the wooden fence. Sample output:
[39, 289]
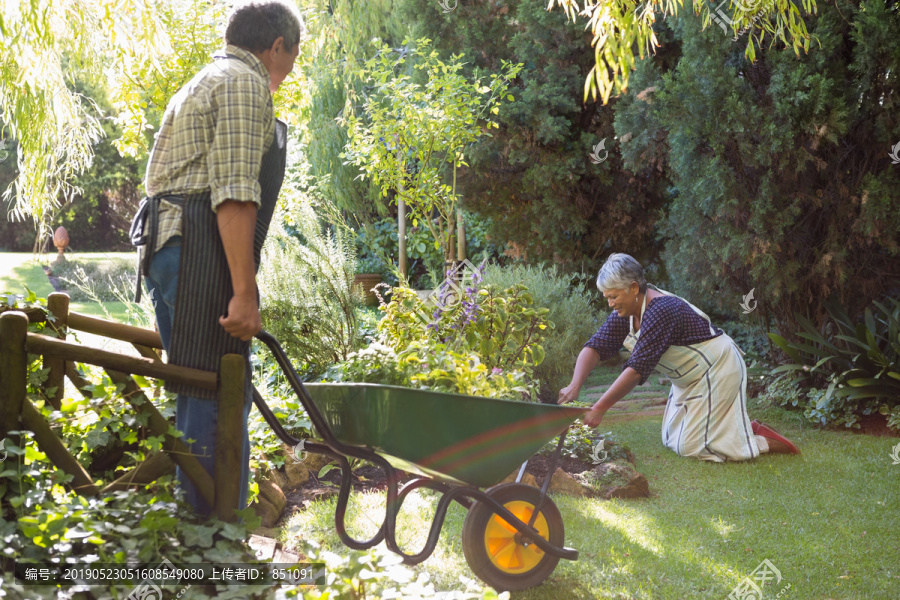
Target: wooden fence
[221, 492]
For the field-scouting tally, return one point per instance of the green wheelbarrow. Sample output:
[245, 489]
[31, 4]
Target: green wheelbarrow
[513, 533]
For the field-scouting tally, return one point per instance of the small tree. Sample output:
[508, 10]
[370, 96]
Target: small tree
[413, 133]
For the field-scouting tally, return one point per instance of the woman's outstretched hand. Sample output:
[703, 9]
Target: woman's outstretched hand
[593, 417]
[568, 393]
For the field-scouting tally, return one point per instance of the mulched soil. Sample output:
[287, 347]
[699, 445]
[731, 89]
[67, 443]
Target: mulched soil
[874, 425]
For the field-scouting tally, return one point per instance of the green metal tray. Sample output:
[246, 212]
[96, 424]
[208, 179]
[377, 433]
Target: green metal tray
[450, 437]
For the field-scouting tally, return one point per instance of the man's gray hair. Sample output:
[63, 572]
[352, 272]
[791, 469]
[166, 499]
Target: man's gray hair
[619, 271]
[255, 26]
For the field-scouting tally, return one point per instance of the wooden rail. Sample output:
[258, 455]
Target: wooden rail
[222, 492]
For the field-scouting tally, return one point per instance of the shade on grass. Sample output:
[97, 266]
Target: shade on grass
[827, 520]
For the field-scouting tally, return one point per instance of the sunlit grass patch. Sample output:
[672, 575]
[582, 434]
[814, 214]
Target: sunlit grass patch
[826, 519]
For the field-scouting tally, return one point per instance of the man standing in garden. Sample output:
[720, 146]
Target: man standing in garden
[212, 182]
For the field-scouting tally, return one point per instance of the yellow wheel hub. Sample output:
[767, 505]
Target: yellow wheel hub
[505, 552]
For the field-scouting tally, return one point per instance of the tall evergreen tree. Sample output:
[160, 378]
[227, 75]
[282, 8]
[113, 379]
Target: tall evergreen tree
[535, 177]
[780, 167]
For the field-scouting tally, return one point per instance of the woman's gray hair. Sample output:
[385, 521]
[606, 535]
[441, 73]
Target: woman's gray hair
[619, 271]
[255, 26]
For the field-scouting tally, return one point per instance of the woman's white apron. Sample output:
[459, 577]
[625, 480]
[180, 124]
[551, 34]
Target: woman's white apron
[706, 414]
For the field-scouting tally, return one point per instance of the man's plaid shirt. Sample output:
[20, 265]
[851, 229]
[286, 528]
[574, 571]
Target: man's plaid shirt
[213, 136]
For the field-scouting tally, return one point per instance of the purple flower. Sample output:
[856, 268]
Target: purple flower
[496, 371]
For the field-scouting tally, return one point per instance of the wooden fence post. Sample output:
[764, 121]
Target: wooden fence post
[58, 304]
[13, 369]
[229, 441]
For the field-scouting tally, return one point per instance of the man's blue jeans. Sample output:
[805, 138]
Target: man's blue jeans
[196, 417]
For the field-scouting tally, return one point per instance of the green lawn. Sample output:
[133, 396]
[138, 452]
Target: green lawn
[19, 270]
[827, 520]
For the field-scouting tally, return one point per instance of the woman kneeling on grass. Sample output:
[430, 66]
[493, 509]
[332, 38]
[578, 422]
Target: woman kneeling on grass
[706, 414]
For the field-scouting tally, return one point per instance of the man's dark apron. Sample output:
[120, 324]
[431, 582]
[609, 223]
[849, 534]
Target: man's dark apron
[204, 280]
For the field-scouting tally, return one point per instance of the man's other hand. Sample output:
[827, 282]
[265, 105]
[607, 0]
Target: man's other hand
[243, 320]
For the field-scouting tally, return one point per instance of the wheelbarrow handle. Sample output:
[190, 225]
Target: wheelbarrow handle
[331, 446]
[312, 410]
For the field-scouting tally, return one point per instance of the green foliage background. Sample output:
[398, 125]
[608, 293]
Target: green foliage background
[534, 178]
[780, 170]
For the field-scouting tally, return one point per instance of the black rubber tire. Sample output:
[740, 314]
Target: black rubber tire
[474, 545]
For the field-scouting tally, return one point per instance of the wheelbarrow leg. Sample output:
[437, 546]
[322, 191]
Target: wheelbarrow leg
[554, 461]
[521, 472]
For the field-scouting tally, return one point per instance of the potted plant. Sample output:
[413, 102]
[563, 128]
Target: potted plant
[369, 273]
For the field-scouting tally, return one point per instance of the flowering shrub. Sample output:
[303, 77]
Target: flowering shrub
[433, 366]
[483, 342]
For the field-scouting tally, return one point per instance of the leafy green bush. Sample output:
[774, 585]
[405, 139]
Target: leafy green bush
[470, 334]
[432, 365]
[750, 337]
[788, 391]
[44, 522]
[581, 441]
[569, 308]
[464, 350]
[376, 364]
[847, 368]
[306, 280]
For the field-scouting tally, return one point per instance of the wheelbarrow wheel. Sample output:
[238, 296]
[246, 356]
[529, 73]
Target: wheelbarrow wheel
[495, 550]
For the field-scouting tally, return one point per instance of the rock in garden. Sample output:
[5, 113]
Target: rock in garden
[527, 479]
[616, 480]
[315, 462]
[564, 483]
[270, 503]
[296, 475]
[277, 477]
